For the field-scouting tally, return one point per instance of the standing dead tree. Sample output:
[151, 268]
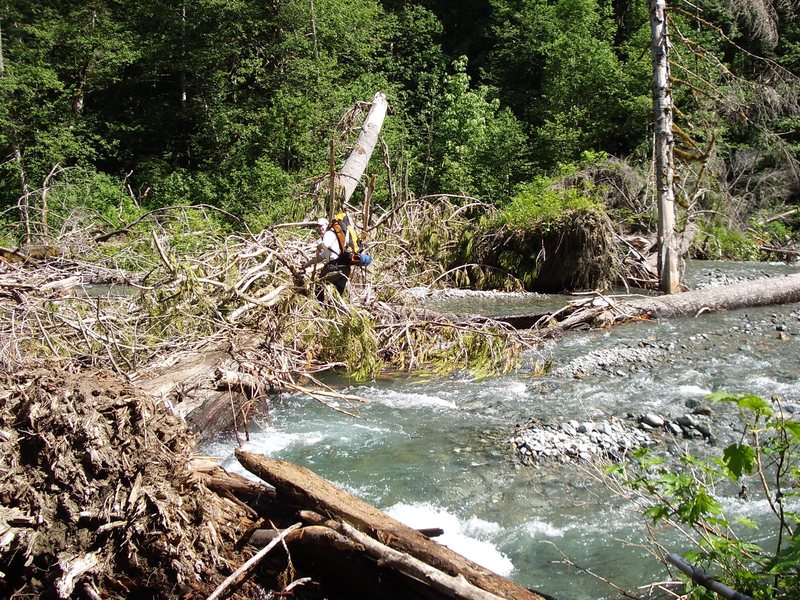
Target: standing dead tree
[668, 267]
[355, 165]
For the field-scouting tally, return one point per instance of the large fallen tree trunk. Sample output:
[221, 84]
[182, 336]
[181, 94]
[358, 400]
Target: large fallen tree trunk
[602, 310]
[356, 163]
[302, 487]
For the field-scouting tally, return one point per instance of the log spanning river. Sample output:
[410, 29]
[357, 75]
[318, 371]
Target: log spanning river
[440, 453]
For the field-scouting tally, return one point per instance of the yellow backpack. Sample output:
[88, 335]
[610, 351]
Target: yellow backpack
[351, 246]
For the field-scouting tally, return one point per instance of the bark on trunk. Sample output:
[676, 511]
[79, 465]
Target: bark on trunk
[302, 487]
[2, 61]
[605, 311]
[669, 278]
[356, 163]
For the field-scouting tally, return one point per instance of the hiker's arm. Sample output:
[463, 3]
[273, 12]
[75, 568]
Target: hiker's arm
[320, 255]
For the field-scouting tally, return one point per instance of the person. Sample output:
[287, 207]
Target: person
[328, 250]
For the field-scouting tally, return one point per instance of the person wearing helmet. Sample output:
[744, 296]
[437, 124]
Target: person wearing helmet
[335, 271]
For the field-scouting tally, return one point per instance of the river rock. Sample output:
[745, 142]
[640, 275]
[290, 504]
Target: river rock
[652, 420]
[692, 403]
[537, 442]
[674, 428]
[687, 422]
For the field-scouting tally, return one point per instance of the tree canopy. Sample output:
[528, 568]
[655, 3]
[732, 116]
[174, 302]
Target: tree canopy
[234, 103]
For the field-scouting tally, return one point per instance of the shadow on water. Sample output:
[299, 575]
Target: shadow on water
[438, 452]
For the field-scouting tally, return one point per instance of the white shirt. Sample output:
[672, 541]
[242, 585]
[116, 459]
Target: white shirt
[328, 246]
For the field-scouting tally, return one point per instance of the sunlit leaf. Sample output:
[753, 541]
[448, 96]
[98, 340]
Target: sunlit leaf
[739, 458]
[793, 428]
[657, 513]
[745, 401]
[747, 522]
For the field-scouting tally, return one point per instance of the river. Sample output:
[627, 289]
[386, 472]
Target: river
[437, 452]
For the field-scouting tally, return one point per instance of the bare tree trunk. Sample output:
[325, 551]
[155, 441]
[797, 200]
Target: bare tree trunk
[46, 188]
[314, 30]
[356, 163]
[332, 187]
[2, 63]
[668, 258]
[184, 94]
[23, 205]
[593, 311]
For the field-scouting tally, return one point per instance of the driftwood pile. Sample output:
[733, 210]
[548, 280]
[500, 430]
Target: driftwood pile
[353, 550]
[214, 332]
[96, 495]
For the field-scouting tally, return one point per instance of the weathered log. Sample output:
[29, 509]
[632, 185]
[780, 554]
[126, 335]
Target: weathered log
[73, 568]
[242, 573]
[759, 292]
[245, 383]
[451, 586]
[356, 163]
[607, 310]
[344, 569]
[363, 567]
[325, 537]
[257, 497]
[308, 490]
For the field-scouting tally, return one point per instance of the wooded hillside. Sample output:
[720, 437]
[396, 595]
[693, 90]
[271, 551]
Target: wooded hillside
[118, 107]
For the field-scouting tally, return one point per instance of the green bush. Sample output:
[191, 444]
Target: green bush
[254, 196]
[716, 242]
[759, 559]
[543, 204]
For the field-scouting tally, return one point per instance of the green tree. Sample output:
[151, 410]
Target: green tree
[477, 147]
[55, 56]
[558, 65]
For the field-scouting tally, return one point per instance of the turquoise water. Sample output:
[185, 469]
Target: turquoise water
[438, 452]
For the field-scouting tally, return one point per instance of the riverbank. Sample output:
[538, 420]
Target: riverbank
[105, 513]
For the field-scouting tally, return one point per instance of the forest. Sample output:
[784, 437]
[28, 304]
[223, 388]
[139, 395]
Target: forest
[164, 163]
[112, 109]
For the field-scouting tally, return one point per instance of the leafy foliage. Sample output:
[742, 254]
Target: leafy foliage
[476, 147]
[690, 500]
[233, 104]
[542, 203]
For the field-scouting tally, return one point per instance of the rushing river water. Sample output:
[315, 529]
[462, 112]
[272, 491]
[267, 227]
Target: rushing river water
[437, 452]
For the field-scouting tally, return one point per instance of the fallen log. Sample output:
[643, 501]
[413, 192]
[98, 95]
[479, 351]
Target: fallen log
[452, 586]
[236, 578]
[304, 488]
[343, 568]
[606, 310]
[708, 582]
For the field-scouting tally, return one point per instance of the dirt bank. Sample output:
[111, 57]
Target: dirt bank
[96, 495]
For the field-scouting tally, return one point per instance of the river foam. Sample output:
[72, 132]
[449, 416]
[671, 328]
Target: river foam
[470, 539]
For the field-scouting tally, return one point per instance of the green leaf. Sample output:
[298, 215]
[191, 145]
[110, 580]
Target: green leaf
[746, 522]
[793, 428]
[756, 405]
[657, 513]
[739, 458]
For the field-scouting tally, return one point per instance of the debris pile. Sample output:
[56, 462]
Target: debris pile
[97, 499]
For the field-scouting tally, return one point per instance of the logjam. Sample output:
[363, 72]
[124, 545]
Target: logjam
[602, 310]
[302, 487]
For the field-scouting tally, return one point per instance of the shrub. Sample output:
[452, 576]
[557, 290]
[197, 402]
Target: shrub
[688, 499]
